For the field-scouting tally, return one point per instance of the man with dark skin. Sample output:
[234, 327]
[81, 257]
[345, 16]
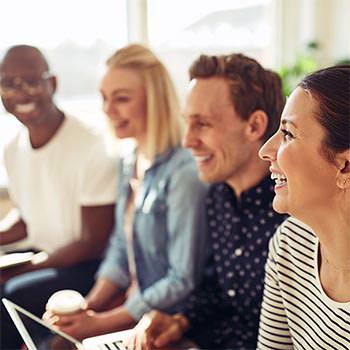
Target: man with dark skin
[62, 182]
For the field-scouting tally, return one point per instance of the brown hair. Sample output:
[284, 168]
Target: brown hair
[252, 87]
[330, 87]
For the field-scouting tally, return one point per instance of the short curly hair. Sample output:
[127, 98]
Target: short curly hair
[251, 86]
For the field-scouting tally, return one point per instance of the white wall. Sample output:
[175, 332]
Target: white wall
[301, 21]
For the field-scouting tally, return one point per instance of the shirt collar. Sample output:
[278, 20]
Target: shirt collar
[129, 159]
[263, 192]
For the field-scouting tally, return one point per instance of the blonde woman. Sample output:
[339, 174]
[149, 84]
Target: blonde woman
[306, 301]
[158, 248]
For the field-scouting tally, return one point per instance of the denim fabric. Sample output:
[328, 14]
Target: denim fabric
[169, 233]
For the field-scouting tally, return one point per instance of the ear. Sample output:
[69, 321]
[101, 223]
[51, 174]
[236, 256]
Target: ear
[343, 174]
[53, 84]
[257, 125]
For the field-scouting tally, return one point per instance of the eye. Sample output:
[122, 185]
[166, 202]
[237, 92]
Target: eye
[6, 83]
[201, 125]
[122, 99]
[287, 135]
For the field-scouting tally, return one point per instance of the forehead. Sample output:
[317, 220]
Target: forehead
[121, 78]
[208, 97]
[300, 107]
[23, 62]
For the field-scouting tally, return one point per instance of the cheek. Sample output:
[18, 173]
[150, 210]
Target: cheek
[139, 119]
[6, 104]
[284, 159]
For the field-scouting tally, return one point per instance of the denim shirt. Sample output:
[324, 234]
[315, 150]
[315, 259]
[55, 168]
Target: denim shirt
[169, 233]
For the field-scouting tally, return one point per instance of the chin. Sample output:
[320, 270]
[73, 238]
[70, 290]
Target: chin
[122, 134]
[205, 177]
[279, 206]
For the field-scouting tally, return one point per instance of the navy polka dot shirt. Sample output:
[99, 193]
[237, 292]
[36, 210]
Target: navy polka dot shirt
[224, 311]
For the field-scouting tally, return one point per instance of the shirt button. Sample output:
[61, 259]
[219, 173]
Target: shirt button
[238, 252]
[231, 293]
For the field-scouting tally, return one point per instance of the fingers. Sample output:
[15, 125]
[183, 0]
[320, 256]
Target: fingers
[135, 342]
[50, 317]
[171, 334]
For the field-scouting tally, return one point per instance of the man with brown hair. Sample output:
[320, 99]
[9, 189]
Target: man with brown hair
[233, 107]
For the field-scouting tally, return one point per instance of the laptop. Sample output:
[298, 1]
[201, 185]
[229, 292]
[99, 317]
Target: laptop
[39, 335]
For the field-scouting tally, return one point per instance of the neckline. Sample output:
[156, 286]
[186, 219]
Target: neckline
[52, 140]
[325, 297]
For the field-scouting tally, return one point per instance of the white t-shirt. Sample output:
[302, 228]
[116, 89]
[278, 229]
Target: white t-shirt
[49, 185]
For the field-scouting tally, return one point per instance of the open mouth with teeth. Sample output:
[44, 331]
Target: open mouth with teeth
[202, 159]
[120, 125]
[25, 107]
[279, 179]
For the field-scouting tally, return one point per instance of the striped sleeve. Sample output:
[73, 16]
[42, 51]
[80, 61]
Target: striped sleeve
[273, 328]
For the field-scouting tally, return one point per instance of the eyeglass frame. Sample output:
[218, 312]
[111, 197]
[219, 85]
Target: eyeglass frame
[31, 88]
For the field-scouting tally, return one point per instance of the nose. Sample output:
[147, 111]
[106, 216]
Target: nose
[268, 150]
[190, 140]
[19, 95]
[108, 108]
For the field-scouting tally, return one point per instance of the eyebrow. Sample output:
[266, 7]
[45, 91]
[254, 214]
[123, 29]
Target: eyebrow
[196, 116]
[285, 121]
[118, 91]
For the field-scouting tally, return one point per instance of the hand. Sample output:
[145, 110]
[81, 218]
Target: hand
[29, 266]
[11, 272]
[157, 329]
[80, 325]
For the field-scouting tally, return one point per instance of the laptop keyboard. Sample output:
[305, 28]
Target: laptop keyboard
[117, 345]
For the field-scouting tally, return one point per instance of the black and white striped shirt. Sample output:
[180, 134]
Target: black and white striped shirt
[296, 313]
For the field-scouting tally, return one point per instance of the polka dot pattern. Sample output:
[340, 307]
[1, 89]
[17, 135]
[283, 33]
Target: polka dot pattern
[228, 303]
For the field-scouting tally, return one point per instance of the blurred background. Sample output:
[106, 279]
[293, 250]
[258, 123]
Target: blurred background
[290, 36]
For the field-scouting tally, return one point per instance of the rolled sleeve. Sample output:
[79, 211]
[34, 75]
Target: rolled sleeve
[136, 305]
[98, 179]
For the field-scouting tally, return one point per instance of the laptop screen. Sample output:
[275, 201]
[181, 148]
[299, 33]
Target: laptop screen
[37, 335]
[43, 337]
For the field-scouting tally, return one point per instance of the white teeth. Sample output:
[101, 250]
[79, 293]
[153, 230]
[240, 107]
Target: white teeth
[279, 178]
[25, 107]
[201, 158]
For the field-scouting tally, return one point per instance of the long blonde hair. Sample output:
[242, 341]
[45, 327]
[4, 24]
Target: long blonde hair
[163, 111]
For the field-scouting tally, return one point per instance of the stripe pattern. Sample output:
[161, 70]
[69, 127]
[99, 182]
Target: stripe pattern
[296, 313]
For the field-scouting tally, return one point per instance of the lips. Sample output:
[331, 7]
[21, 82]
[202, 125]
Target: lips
[119, 124]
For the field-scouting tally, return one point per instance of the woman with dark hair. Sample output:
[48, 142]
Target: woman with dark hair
[306, 301]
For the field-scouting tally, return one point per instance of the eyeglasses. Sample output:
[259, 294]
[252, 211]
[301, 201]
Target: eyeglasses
[9, 87]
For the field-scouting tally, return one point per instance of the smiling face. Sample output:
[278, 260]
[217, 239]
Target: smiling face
[26, 87]
[124, 102]
[305, 180]
[215, 133]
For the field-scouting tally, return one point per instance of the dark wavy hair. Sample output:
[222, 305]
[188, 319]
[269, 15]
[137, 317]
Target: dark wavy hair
[330, 87]
[252, 87]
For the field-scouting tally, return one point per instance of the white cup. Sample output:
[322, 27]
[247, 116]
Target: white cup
[66, 301]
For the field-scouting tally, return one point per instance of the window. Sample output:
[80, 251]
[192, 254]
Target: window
[77, 37]
[189, 28]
